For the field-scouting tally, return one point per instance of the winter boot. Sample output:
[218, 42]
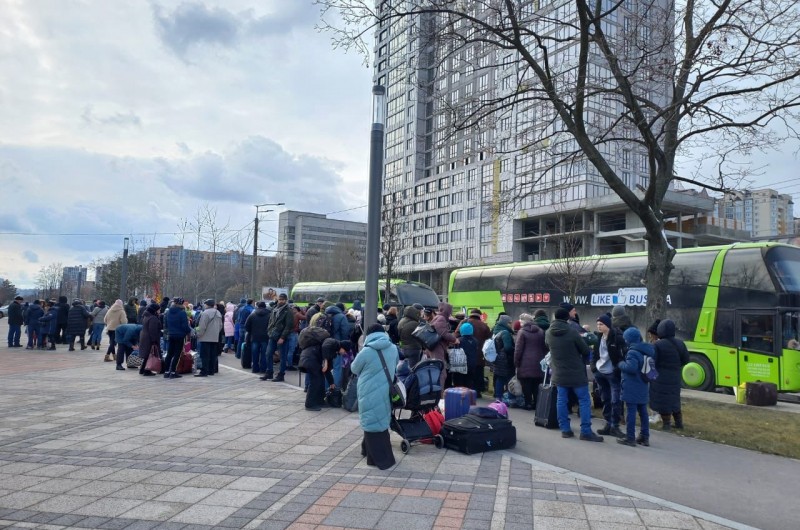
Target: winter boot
[666, 420]
[678, 419]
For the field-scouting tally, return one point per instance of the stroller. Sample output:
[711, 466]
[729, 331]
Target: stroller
[423, 393]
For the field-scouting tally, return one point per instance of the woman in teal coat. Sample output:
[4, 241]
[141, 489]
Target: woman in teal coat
[374, 409]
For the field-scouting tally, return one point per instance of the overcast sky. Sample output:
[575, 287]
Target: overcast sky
[125, 116]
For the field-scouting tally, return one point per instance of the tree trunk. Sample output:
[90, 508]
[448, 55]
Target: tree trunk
[659, 259]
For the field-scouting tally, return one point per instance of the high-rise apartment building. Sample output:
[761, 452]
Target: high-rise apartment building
[468, 189]
[764, 213]
[72, 279]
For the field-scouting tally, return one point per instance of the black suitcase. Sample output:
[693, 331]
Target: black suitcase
[246, 353]
[761, 394]
[546, 414]
[470, 434]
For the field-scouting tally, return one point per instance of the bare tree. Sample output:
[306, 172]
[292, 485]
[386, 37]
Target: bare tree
[393, 225]
[49, 278]
[587, 80]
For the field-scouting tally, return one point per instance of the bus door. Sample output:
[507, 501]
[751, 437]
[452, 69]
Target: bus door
[790, 342]
[759, 354]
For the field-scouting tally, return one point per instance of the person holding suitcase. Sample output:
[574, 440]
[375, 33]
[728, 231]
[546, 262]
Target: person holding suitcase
[569, 356]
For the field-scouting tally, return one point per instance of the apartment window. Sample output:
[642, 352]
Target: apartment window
[430, 221]
[470, 252]
[444, 201]
[458, 179]
[455, 235]
[470, 214]
[470, 233]
[472, 194]
[455, 254]
[471, 175]
[441, 255]
[431, 186]
[419, 207]
[443, 219]
[417, 259]
[417, 242]
[430, 257]
[457, 216]
[441, 238]
[419, 190]
[419, 224]
[457, 198]
[430, 204]
[444, 183]
[430, 239]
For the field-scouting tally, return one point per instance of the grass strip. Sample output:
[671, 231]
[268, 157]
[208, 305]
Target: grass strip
[756, 428]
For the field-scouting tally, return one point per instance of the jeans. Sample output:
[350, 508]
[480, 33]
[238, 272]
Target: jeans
[500, 381]
[112, 340]
[289, 345]
[271, 347]
[584, 403]
[610, 388]
[336, 371]
[631, 412]
[97, 334]
[229, 343]
[14, 332]
[259, 355]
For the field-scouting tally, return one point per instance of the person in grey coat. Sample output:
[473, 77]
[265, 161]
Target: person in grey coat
[569, 356]
[208, 336]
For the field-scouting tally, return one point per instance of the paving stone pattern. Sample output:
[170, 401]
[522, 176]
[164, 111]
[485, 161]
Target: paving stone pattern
[85, 446]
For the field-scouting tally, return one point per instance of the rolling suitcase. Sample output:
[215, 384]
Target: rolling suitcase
[761, 394]
[546, 414]
[246, 355]
[471, 434]
[457, 401]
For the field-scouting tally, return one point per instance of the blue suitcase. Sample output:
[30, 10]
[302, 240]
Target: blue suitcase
[457, 401]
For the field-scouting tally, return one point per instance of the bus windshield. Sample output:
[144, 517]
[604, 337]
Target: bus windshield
[411, 293]
[784, 262]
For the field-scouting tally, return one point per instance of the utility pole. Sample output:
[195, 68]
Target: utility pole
[255, 247]
[374, 206]
[124, 276]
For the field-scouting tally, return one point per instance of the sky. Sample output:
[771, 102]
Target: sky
[126, 117]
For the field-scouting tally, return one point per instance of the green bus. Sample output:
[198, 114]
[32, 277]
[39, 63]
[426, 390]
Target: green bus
[402, 293]
[737, 306]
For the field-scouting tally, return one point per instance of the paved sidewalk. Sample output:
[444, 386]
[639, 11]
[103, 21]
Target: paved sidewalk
[85, 446]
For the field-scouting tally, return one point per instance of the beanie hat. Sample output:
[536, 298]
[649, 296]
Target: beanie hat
[346, 344]
[540, 313]
[262, 304]
[210, 302]
[466, 329]
[566, 306]
[654, 327]
[475, 311]
[618, 311]
[143, 303]
[605, 319]
[632, 336]
[504, 319]
[516, 325]
[153, 308]
[562, 314]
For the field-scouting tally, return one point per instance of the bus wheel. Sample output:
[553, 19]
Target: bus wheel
[698, 374]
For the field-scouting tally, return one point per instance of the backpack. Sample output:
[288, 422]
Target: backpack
[458, 360]
[648, 371]
[490, 349]
[325, 321]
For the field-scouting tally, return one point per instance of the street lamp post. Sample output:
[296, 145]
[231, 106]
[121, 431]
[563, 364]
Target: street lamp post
[374, 208]
[124, 276]
[255, 245]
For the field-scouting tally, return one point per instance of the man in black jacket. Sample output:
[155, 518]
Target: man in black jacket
[569, 356]
[255, 332]
[61, 320]
[15, 321]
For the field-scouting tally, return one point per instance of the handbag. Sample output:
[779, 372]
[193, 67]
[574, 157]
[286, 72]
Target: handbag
[134, 361]
[333, 397]
[397, 390]
[427, 335]
[458, 360]
[514, 387]
[153, 360]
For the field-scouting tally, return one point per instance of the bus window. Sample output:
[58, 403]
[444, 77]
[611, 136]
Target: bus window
[745, 281]
[617, 272]
[723, 328]
[414, 293]
[784, 262]
[692, 268]
[529, 278]
[495, 279]
[790, 323]
[467, 280]
[757, 332]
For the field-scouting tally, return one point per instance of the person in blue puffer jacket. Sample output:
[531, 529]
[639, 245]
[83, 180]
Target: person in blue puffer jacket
[635, 390]
[34, 313]
[374, 409]
[176, 323]
[49, 324]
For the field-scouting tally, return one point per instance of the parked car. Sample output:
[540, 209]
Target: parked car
[3, 311]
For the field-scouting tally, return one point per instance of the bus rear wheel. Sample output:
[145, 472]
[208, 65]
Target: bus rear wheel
[698, 374]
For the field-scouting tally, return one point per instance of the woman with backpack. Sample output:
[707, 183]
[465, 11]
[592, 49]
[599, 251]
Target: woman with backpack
[503, 366]
[634, 388]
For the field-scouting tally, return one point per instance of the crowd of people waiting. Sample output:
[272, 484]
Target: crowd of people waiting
[270, 333]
